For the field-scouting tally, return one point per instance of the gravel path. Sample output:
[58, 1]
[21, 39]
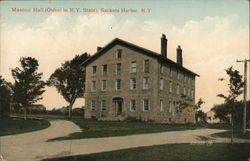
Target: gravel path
[33, 146]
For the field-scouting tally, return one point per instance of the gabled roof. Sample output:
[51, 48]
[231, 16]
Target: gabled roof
[139, 49]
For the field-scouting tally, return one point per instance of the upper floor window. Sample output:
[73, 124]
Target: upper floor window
[94, 69]
[104, 104]
[177, 89]
[119, 54]
[161, 68]
[133, 67]
[93, 86]
[161, 105]
[118, 69]
[192, 93]
[170, 87]
[117, 84]
[133, 105]
[104, 69]
[146, 105]
[133, 83]
[93, 105]
[146, 66]
[184, 90]
[161, 84]
[145, 83]
[104, 85]
[170, 107]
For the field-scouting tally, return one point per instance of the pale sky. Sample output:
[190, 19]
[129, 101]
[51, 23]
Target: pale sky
[212, 34]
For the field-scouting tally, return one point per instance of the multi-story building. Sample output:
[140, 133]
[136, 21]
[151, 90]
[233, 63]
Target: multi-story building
[125, 80]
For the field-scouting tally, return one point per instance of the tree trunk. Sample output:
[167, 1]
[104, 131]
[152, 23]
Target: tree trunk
[70, 108]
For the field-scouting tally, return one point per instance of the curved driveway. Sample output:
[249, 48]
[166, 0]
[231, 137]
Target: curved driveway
[34, 146]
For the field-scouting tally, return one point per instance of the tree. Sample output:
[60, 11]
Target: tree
[69, 79]
[235, 85]
[5, 98]
[28, 86]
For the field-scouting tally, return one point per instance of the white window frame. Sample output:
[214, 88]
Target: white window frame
[94, 73]
[161, 105]
[178, 89]
[116, 84]
[131, 105]
[104, 89]
[133, 67]
[146, 85]
[170, 87]
[144, 66]
[170, 107]
[161, 83]
[104, 102]
[104, 72]
[93, 86]
[93, 105]
[133, 84]
[116, 69]
[117, 53]
[144, 105]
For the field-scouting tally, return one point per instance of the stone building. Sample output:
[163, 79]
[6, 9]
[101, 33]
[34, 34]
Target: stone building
[125, 80]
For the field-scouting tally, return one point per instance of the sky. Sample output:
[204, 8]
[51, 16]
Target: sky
[212, 34]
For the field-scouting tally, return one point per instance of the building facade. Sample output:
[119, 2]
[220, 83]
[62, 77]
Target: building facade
[125, 80]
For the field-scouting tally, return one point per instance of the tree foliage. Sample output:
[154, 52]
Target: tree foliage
[28, 86]
[5, 97]
[69, 79]
[235, 86]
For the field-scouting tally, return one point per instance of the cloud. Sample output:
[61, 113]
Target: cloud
[209, 45]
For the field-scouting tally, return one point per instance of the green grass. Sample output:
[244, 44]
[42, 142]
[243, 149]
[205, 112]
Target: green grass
[237, 134]
[94, 129]
[216, 151]
[10, 126]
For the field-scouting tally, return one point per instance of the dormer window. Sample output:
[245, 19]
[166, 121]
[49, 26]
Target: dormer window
[118, 54]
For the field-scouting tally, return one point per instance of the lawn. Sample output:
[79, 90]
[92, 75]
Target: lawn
[216, 151]
[10, 126]
[94, 129]
[237, 134]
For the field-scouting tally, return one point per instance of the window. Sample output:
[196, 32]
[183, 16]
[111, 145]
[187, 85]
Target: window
[132, 105]
[170, 87]
[178, 89]
[94, 68]
[161, 84]
[133, 67]
[133, 83]
[189, 80]
[161, 68]
[178, 75]
[104, 85]
[117, 84]
[93, 86]
[118, 69]
[145, 105]
[118, 54]
[93, 105]
[104, 104]
[192, 94]
[146, 83]
[184, 90]
[104, 69]
[170, 107]
[161, 105]
[146, 66]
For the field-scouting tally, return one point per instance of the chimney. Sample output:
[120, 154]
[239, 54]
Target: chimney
[179, 55]
[99, 48]
[164, 42]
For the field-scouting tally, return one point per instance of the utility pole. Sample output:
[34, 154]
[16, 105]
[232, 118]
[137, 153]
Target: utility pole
[245, 94]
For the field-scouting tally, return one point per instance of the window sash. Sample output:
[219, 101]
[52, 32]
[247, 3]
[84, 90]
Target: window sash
[118, 54]
[146, 66]
[133, 83]
[146, 83]
[118, 69]
[94, 70]
[133, 67]
[104, 69]
[104, 85]
[161, 84]
[161, 105]
[93, 87]
[118, 84]
[93, 105]
[103, 104]
[145, 105]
